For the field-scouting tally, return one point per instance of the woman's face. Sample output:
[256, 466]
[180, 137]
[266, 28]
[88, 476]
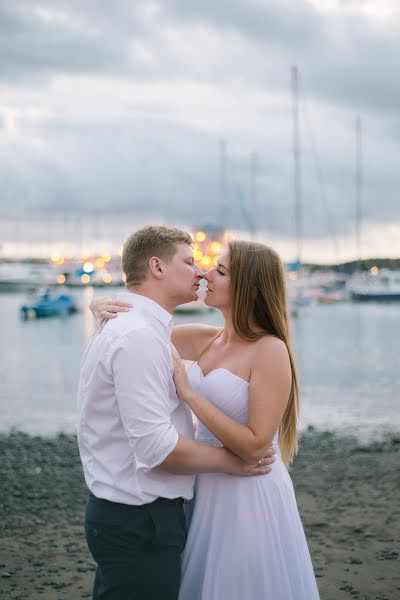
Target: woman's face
[218, 284]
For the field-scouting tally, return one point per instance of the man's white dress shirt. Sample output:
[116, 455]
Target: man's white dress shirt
[129, 414]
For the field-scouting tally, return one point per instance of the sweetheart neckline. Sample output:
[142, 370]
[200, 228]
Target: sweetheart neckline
[219, 369]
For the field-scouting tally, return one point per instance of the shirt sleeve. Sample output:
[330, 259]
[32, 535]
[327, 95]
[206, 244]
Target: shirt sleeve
[142, 372]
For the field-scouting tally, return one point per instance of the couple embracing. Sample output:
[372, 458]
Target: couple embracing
[142, 465]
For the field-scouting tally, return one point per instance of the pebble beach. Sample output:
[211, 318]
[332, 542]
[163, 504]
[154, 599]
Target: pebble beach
[348, 495]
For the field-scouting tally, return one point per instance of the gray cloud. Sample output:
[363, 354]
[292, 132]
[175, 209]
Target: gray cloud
[149, 88]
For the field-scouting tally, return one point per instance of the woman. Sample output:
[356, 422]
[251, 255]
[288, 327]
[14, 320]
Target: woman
[245, 539]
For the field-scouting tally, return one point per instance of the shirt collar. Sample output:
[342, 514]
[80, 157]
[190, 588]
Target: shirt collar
[148, 305]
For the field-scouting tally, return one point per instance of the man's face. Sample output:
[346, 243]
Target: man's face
[182, 275]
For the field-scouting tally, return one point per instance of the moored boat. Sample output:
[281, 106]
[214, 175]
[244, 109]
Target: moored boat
[49, 304]
[379, 286]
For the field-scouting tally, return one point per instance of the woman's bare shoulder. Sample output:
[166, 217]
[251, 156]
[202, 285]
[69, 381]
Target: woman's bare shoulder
[269, 348]
[198, 329]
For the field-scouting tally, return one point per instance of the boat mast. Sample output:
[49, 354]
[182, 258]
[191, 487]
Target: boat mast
[359, 189]
[296, 163]
[253, 196]
[223, 186]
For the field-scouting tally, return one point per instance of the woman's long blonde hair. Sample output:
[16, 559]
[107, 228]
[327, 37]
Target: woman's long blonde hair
[259, 307]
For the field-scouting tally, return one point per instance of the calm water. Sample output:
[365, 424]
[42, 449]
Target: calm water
[348, 358]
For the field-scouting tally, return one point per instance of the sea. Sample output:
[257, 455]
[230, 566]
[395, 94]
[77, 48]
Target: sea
[348, 358]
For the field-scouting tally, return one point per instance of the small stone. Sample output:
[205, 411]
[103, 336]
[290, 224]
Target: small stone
[354, 560]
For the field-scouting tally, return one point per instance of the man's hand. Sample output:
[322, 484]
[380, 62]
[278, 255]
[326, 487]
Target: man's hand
[237, 466]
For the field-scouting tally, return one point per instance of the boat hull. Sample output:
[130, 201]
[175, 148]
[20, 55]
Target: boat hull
[370, 297]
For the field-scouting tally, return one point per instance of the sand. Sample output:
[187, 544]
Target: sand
[348, 497]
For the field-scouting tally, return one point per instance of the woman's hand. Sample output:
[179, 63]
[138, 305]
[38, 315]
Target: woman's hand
[107, 308]
[182, 384]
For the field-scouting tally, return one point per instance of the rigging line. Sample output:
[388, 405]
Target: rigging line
[236, 186]
[319, 173]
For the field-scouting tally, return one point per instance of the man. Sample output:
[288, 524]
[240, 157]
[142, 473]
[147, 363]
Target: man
[135, 435]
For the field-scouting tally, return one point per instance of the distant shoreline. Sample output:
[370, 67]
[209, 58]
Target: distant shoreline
[347, 266]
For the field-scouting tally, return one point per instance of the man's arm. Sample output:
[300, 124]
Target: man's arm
[189, 457]
[142, 372]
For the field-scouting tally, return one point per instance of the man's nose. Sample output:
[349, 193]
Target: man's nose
[198, 272]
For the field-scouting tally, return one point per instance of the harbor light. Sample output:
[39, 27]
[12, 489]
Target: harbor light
[85, 278]
[293, 276]
[214, 248]
[120, 250]
[228, 237]
[206, 261]
[200, 236]
[99, 263]
[106, 257]
[107, 278]
[374, 270]
[215, 260]
[61, 279]
[57, 259]
[88, 267]
[198, 255]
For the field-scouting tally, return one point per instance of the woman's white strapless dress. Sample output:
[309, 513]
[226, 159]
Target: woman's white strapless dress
[246, 539]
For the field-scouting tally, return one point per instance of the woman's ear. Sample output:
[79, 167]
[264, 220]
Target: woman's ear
[155, 267]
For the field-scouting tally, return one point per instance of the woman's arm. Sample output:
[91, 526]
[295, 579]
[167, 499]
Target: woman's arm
[190, 340]
[269, 390]
[104, 308]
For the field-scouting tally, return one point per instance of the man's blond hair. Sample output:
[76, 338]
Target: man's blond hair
[153, 240]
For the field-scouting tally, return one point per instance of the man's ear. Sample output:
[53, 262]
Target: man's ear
[156, 267]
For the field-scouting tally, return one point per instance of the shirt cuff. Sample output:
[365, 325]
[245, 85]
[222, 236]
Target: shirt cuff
[170, 441]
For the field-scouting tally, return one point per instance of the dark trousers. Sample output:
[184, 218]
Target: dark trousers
[137, 548]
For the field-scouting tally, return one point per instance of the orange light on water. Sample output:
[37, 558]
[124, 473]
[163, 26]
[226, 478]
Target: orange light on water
[293, 276]
[85, 278]
[374, 270]
[60, 279]
[107, 278]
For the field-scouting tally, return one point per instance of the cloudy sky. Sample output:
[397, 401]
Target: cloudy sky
[119, 108]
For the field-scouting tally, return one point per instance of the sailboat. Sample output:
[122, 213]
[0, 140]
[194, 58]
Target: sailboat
[376, 286]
